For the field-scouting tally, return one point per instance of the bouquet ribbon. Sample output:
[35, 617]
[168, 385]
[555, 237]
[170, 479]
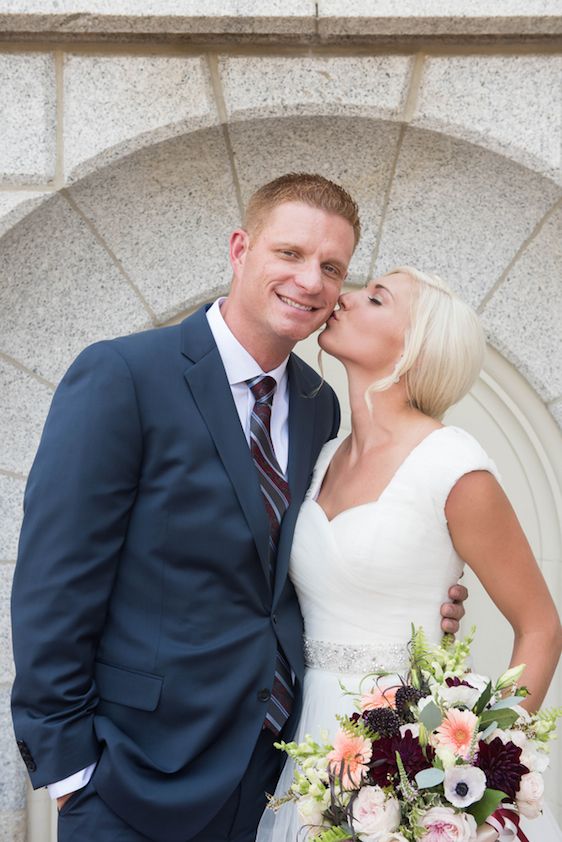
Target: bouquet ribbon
[505, 821]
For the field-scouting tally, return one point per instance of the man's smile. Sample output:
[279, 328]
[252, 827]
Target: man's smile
[296, 304]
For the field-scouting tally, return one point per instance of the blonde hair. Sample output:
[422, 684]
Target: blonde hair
[443, 348]
[310, 188]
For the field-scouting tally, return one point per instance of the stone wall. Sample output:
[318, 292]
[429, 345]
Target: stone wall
[131, 141]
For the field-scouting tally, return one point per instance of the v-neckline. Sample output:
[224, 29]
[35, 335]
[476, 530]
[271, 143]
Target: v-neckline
[385, 489]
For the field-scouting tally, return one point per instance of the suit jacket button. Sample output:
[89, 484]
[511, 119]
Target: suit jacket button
[31, 765]
[274, 618]
[264, 695]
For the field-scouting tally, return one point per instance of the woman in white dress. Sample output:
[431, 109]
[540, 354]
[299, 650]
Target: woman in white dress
[397, 508]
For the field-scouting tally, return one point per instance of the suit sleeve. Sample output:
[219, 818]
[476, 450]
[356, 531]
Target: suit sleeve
[76, 509]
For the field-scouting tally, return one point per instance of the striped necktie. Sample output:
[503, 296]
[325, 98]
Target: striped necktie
[276, 498]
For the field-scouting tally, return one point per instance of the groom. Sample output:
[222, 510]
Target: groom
[157, 638]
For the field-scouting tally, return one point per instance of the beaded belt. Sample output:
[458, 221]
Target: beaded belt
[344, 657]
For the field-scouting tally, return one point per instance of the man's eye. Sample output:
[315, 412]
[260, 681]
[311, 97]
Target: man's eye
[288, 253]
[332, 270]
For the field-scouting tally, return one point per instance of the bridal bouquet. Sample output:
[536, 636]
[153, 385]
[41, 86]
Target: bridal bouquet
[445, 755]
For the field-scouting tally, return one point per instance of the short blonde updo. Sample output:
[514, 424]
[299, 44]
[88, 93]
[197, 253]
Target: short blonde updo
[443, 348]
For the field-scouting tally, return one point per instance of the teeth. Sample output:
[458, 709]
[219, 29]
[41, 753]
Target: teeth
[295, 304]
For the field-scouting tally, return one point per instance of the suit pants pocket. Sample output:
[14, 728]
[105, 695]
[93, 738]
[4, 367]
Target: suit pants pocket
[86, 818]
[75, 797]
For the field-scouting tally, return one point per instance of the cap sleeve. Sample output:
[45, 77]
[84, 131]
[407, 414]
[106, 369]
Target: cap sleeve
[461, 455]
[322, 464]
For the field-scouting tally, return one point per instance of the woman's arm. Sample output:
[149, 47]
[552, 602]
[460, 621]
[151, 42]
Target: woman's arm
[489, 538]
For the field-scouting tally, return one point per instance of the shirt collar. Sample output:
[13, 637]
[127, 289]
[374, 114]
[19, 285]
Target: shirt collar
[239, 365]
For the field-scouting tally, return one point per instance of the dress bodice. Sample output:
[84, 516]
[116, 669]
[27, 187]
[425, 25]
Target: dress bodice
[365, 576]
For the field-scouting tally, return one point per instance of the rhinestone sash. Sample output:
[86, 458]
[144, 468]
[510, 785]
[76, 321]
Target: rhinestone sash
[348, 658]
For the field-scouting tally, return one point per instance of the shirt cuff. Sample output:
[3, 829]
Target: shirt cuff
[72, 783]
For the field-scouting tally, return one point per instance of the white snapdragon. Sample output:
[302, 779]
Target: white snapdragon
[310, 813]
[446, 755]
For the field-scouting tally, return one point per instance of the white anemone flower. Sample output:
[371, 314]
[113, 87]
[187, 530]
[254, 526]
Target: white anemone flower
[464, 785]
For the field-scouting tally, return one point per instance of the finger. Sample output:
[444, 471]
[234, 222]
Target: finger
[452, 611]
[449, 626]
[458, 593]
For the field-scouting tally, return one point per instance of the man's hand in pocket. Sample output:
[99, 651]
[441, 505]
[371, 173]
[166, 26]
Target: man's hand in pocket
[61, 801]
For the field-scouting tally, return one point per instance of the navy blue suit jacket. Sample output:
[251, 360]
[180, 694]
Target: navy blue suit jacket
[145, 624]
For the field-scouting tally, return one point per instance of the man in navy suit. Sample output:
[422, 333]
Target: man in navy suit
[151, 604]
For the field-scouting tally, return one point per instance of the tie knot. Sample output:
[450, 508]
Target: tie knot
[262, 388]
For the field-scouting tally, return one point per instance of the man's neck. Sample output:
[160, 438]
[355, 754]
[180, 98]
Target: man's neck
[267, 350]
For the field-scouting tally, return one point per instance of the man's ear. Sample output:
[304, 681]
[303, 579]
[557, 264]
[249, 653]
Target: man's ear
[239, 244]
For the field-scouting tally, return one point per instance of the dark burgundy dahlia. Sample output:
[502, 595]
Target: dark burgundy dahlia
[383, 767]
[501, 765]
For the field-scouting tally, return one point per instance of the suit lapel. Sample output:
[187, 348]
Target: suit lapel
[211, 392]
[302, 410]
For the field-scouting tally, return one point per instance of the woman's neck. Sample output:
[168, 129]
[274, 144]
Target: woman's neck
[387, 421]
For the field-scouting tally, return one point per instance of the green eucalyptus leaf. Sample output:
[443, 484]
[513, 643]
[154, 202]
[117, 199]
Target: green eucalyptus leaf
[509, 702]
[431, 716]
[491, 727]
[429, 777]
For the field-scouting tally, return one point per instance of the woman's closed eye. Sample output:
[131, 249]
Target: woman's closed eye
[375, 299]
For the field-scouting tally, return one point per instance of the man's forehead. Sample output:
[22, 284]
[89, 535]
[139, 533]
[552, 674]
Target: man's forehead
[297, 220]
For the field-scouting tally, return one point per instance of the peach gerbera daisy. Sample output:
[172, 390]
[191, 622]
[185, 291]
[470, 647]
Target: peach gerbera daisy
[377, 698]
[456, 731]
[349, 758]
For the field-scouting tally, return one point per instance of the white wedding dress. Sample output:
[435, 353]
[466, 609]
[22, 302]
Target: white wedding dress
[363, 578]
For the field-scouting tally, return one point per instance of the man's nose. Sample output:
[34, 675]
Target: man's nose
[310, 277]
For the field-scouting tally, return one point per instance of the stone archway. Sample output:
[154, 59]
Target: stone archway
[141, 241]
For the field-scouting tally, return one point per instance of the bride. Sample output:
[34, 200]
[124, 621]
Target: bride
[397, 508]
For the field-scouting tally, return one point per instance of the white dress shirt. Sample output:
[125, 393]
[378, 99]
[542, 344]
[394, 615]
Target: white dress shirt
[239, 367]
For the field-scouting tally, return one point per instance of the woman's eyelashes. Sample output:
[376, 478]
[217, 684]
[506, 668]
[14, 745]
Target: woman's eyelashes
[375, 299]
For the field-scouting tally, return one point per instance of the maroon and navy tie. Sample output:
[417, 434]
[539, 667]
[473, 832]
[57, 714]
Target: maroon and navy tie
[276, 497]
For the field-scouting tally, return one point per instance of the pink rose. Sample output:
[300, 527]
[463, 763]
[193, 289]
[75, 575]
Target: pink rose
[374, 813]
[530, 795]
[443, 824]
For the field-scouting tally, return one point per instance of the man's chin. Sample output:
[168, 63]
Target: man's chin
[296, 333]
